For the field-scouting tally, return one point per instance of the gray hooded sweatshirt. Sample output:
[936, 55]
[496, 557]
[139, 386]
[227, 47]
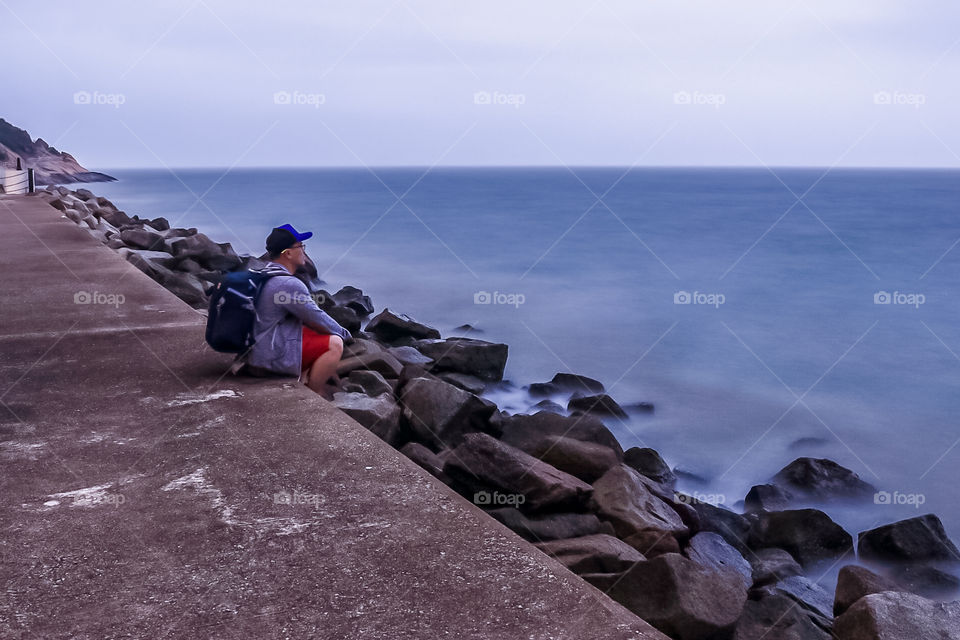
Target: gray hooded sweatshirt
[284, 306]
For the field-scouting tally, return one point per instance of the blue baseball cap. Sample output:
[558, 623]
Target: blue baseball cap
[284, 237]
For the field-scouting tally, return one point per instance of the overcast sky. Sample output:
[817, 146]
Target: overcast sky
[412, 82]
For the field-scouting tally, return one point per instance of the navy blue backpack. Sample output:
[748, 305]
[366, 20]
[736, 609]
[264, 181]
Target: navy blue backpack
[232, 311]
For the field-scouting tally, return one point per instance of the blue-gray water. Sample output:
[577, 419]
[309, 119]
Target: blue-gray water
[598, 256]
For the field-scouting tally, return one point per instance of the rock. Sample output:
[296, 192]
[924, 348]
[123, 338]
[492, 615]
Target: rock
[710, 550]
[485, 360]
[822, 479]
[220, 262]
[352, 297]
[189, 265]
[915, 539]
[113, 217]
[542, 389]
[90, 221]
[381, 362]
[732, 527]
[550, 406]
[898, 616]
[653, 543]
[926, 581]
[777, 617]
[84, 194]
[767, 497]
[346, 318]
[188, 288]
[808, 534]
[482, 463]
[573, 383]
[409, 355]
[360, 346]
[772, 565]
[526, 431]
[599, 404]
[629, 501]
[649, 463]
[425, 458]
[854, 582]
[596, 553]
[73, 215]
[440, 414]
[808, 594]
[554, 526]
[681, 598]
[381, 415]
[585, 460]
[150, 262]
[372, 383]
[142, 239]
[464, 381]
[390, 326]
[160, 224]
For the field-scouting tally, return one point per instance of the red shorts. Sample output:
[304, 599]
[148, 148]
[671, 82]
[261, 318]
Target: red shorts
[314, 345]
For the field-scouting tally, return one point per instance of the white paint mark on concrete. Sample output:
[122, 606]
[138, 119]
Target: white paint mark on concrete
[184, 399]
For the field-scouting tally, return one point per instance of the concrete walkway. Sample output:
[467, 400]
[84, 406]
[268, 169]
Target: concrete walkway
[146, 493]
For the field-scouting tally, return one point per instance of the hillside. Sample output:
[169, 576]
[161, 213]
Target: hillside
[51, 166]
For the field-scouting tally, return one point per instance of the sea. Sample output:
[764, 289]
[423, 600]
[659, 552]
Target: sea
[767, 314]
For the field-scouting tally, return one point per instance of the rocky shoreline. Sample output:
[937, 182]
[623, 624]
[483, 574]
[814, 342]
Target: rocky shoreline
[692, 569]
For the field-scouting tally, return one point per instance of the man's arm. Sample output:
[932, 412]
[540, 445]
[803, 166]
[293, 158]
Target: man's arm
[293, 296]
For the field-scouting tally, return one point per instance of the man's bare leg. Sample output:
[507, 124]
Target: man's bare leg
[325, 367]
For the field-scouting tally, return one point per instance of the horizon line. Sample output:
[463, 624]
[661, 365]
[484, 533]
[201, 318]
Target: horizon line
[539, 166]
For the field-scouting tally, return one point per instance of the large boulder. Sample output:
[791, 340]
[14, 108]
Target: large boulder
[915, 539]
[600, 404]
[598, 553]
[822, 479]
[372, 383]
[855, 582]
[710, 550]
[381, 415]
[925, 580]
[391, 326]
[142, 239]
[808, 534]
[632, 504]
[409, 355]
[485, 360]
[681, 598]
[485, 466]
[551, 526]
[648, 462]
[379, 361]
[806, 593]
[574, 383]
[352, 297]
[188, 288]
[898, 616]
[773, 565]
[767, 497]
[346, 317]
[526, 431]
[777, 617]
[464, 381]
[585, 460]
[440, 414]
[425, 459]
[733, 527]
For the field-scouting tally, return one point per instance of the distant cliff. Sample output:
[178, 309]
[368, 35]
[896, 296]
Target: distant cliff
[51, 166]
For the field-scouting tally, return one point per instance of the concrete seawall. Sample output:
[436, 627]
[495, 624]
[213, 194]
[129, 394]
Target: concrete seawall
[148, 493]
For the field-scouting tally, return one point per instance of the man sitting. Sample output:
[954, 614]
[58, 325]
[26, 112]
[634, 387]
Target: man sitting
[293, 336]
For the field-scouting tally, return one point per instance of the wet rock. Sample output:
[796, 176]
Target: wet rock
[391, 326]
[585, 460]
[360, 346]
[425, 459]
[808, 534]
[482, 463]
[485, 360]
[710, 550]
[629, 501]
[767, 497]
[772, 565]
[409, 355]
[526, 431]
[681, 598]
[352, 297]
[372, 383]
[806, 593]
[188, 288]
[381, 415]
[601, 404]
[777, 617]
[854, 582]
[648, 462]
[898, 616]
[381, 362]
[572, 383]
[464, 381]
[550, 406]
[915, 539]
[554, 526]
[160, 224]
[926, 581]
[732, 527]
[439, 414]
[142, 239]
[598, 553]
[653, 543]
[346, 318]
[822, 479]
